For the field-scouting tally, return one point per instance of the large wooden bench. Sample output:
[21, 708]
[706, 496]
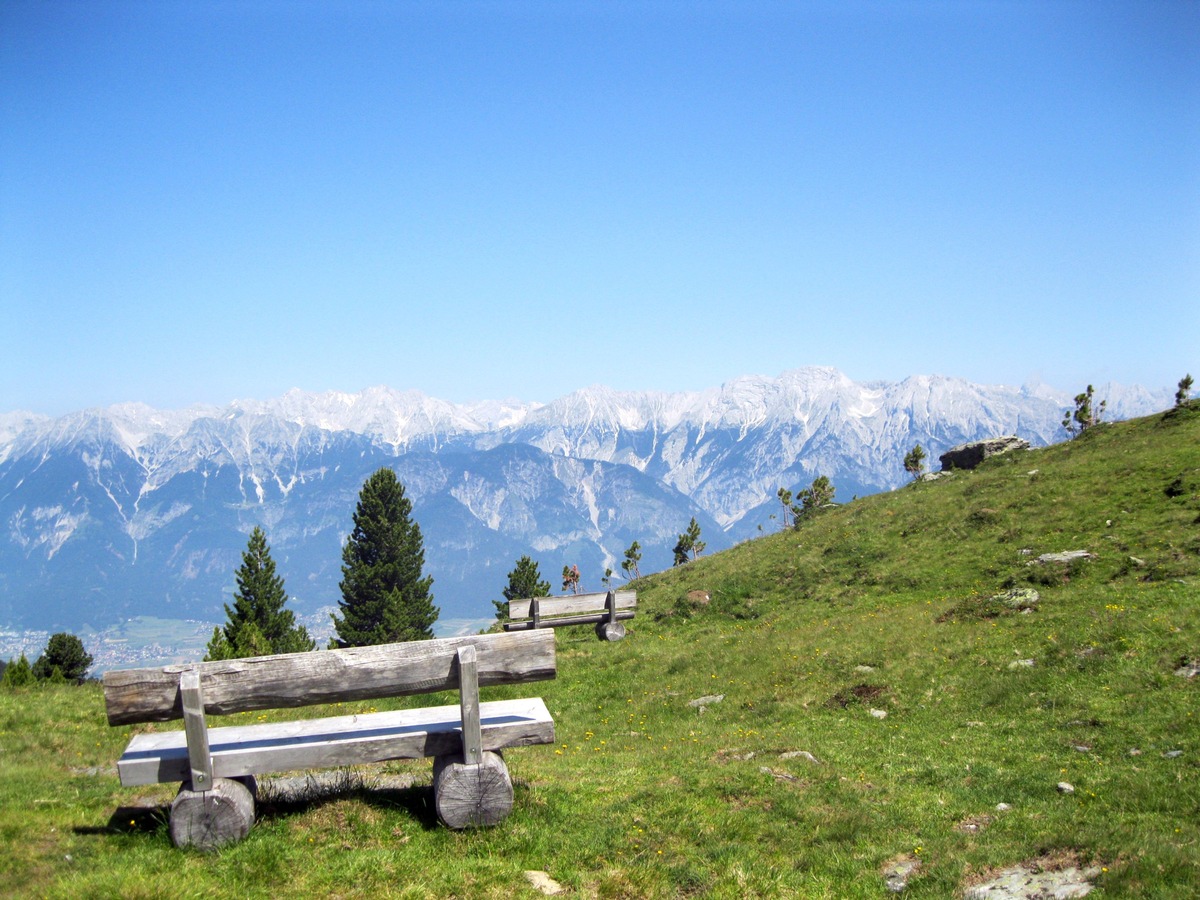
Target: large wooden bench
[608, 611]
[215, 803]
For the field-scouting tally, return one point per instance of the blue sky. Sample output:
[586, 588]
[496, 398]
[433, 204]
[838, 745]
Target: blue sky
[203, 201]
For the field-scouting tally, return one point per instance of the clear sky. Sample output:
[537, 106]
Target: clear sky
[203, 201]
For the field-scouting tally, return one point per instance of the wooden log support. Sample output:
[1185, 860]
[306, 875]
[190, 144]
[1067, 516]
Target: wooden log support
[470, 795]
[206, 820]
[610, 631]
[468, 679]
[200, 774]
[535, 613]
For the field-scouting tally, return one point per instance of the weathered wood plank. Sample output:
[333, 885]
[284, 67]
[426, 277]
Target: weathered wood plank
[327, 676]
[338, 741]
[468, 692]
[563, 606]
[194, 727]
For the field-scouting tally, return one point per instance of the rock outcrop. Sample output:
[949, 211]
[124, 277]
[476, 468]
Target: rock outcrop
[971, 454]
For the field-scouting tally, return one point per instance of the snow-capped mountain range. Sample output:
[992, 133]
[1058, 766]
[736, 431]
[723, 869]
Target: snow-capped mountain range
[108, 513]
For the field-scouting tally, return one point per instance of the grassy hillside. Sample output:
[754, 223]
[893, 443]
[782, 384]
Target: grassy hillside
[876, 706]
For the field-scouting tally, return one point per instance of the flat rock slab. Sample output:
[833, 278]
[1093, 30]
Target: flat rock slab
[1029, 883]
[541, 881]
[800, 754]
[1067, 556]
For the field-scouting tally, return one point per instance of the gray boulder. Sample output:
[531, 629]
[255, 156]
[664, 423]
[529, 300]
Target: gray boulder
[969, 455]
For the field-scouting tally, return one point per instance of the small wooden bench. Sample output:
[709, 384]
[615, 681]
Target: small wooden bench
[215, 803]
[608, 611]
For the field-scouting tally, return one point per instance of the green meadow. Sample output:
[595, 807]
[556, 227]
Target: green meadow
[793, 717]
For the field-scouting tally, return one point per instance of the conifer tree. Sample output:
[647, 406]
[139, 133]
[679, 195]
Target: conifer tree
[17, 673]
[785, 498]
[65, 654]
[570, 577]
[524, 583]
[813, 497]
[1085, 415]
[258, 624]
[385, 598]
[914, 461]
[1185, 390]
[633, 556]
[689, 546]
[693, 534]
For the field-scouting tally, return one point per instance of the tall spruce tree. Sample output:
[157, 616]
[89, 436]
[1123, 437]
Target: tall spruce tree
[258, 624]
[385, 599]
[524, 583]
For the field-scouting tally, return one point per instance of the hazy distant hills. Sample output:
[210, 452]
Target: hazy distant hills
[110, 513]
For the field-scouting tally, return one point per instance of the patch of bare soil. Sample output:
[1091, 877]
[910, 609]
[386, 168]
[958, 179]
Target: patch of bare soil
[860, 693]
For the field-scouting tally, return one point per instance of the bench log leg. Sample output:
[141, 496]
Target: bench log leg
[208, 819]
[610, 631]
[470, 795]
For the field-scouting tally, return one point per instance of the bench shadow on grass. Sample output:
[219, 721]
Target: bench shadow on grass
[283, 798]
[130, 820]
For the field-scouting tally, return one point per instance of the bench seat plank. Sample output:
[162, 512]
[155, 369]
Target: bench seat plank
[336, 741]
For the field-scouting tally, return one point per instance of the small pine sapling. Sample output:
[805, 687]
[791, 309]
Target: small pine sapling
[785, 497]
[914, 461]
[633, 555]
[812, 498]
[1185, 391]
[1085, 415]
[570, 579]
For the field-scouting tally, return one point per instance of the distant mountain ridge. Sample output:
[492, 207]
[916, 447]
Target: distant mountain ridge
[114, 512]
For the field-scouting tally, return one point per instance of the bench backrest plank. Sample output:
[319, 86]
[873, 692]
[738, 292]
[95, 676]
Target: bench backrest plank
[327, 676]
[565, 606]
